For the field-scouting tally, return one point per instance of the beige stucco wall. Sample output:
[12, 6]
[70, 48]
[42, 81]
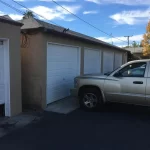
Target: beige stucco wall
[34, 65]
[12, 33]
[33, 72]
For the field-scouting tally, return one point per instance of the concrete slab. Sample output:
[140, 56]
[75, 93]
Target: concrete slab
[63, 106]
[9, 124]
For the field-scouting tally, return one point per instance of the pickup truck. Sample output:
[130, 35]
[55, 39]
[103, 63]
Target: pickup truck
[129, 84]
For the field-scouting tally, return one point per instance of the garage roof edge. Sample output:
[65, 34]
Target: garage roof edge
[63, 31]
[5, 20]
[86, 39]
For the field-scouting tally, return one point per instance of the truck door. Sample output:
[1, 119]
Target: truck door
[128, 84]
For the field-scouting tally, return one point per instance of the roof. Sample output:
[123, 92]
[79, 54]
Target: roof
[142, 60]
[7, 19]
[32, 23]
[135, 50]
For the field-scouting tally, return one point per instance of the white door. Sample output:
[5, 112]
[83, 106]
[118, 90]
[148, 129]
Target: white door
[92, 61]
[118, 60]
[108, 62]
[2, 80]
[63, 65]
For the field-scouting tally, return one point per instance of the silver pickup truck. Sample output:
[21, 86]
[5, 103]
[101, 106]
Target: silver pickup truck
[128, 84]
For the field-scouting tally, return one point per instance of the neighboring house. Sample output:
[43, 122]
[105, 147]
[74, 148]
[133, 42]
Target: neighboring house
[137, 52]
[52, 56]
[10, 66]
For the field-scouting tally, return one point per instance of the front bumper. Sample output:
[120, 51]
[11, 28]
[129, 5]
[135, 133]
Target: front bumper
[74, 92]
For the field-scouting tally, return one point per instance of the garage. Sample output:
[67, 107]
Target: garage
[108, 62]
[10, 67]
[92, 61]
[55, 56]
[63, 65]
[118, 60]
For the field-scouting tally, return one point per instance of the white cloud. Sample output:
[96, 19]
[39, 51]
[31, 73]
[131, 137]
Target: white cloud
[47, 0]
[94, 1]
[56, 12]
[123, 2]
[131, 17]
[123, 40]
[90, 12]
[1, 13]
[20, 0]
[15, 16]
[58, 0]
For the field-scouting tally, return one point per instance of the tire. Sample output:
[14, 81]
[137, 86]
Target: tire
[89, 96]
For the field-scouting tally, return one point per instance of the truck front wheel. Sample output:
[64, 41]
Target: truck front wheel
[90, 99]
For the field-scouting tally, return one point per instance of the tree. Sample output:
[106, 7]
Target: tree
[146, 41]
[28, 14]
[135, 44]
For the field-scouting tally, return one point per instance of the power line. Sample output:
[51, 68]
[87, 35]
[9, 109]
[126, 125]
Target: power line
[19, 11]
[51, 21]
[86, 21]
[34, 12]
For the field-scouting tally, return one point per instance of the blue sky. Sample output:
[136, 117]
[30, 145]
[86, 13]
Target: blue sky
[116, 17]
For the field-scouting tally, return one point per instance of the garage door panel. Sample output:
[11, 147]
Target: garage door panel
[60, 59]
[62, 68]
[59, 52]
[61, 65]
[1, 76]
[92, 61]
[108, 62]
[59, 81]
[53, 92]
[118, 60]
[2, 96]
[58, 72]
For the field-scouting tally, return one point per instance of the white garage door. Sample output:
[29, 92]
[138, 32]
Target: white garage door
[92, 61]
[2, 81]
[108, 62]
[118, 60]
[63, 64]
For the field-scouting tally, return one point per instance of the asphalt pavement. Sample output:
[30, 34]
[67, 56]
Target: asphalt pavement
[117, 127]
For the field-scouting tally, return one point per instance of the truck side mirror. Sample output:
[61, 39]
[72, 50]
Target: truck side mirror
[117, 74]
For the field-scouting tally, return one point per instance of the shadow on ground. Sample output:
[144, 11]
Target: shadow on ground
[117, 127]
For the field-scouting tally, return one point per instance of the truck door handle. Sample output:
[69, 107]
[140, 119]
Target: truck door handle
[137, 82]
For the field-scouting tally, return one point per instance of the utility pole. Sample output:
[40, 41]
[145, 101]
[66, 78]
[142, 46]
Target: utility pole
[134, 45]
[128, 38]
[111, 39]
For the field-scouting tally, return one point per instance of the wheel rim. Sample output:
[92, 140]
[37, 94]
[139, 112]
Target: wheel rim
[90, 100]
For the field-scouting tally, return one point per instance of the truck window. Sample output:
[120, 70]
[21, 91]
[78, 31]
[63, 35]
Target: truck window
[134, 70]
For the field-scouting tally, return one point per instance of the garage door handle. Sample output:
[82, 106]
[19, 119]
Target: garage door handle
[138, 82]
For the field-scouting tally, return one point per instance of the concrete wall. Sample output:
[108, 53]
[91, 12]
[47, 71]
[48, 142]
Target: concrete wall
[12, 33]
[34, 64]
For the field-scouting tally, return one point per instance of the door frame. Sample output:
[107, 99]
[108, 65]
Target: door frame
[60, 44]
[7, 76]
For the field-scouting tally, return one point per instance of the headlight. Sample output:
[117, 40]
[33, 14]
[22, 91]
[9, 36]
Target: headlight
[75, 82]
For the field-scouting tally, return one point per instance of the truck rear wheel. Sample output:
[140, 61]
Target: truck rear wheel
[90, 99]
